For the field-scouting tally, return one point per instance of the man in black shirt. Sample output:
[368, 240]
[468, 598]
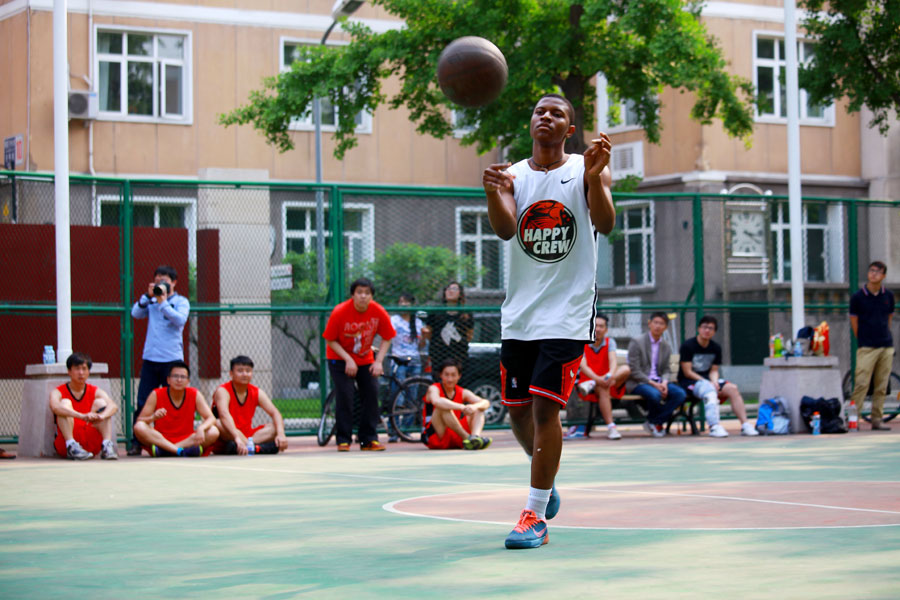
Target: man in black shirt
[698, 373]
[871, 311]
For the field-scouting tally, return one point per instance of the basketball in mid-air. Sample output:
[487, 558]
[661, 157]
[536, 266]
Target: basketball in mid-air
[472, 71]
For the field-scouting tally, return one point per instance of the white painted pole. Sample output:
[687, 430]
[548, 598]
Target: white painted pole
[793, 148]
[61, 181]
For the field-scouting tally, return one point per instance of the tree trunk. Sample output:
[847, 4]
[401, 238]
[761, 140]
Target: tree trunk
[573, 87]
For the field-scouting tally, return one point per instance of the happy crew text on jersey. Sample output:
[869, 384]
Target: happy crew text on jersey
[546, 231]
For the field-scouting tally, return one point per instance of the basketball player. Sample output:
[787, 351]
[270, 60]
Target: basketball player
[453, 416]
[553, 204]
[234, 403]
[165, 426]
[82, 412]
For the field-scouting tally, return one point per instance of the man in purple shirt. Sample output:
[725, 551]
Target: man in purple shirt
[648, 358]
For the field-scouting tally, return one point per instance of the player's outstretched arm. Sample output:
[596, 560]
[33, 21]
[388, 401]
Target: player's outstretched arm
[476, 401]
[267, 405]
[498, 187]
[598, 183]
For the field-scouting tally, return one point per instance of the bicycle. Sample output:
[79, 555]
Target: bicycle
[404, 399]
[891, 398]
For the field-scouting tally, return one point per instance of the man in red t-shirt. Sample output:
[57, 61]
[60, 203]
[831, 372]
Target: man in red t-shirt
[453, 416]
[165, 426]
[82, 412]
[350, 331]
[234, 403]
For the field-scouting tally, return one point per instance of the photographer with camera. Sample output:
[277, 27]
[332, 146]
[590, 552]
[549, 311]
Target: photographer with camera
[167, 312]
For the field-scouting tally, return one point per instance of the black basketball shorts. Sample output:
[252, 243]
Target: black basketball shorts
[547, 368]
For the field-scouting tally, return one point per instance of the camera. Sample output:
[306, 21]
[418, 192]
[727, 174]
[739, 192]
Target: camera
[161, 287]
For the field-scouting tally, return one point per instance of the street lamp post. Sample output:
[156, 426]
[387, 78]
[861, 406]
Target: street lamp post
[341, 8]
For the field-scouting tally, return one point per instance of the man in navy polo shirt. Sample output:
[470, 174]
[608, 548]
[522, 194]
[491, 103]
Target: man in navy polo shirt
[167, 312]
[871, 311]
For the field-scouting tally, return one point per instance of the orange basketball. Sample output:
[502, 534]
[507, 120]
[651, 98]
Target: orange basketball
[472, 71]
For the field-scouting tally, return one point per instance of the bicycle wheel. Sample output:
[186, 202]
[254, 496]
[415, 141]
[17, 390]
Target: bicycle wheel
[327, 420]
[891, 397]
[406, 408]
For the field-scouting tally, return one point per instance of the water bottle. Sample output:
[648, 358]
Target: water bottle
[798, 348]
[852, 417]
[49, 355]
[251, 447]
[816, 424]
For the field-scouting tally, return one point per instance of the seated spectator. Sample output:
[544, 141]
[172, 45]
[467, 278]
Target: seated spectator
[648, 358]
[453, 416]
[234, 403]
[165, 426]
[601, 378]
[82, 412]
[698, 373]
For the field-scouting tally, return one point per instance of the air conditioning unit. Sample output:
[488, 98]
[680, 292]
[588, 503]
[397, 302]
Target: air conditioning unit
[83, 105]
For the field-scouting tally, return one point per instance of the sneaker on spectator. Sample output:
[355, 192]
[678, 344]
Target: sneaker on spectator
[74, 451]
[344, 447]
[192, 451]
[530, 532]
[717, 431]
[109, 452]
[373, 446]
[575, 432]
[485, 442]
[613, 433]
[748, 429]
[135, 450]
[656, 431]
[586, 387]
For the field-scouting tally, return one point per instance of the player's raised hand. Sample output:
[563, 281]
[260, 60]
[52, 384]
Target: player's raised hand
[496, 178]
[597, 156]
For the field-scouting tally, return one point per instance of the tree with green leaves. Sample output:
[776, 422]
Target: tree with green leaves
[640, 46]
[857, 55]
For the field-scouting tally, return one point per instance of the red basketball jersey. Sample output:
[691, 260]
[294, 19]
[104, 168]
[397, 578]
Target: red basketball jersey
[597, 360]
[428, 407]
[242, 414]
[179, 420]
[83, 432]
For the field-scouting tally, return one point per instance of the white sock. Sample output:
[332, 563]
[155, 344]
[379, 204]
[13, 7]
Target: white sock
[610, 425]
[108, 444]
[711, 406]
[537, 501]
[70, 443]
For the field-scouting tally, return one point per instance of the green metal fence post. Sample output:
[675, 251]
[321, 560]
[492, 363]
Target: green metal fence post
[126, 254]
[699, 287]
[853, 269]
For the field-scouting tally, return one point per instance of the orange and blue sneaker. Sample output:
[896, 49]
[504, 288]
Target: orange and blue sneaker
[552, 504]
[529, 532]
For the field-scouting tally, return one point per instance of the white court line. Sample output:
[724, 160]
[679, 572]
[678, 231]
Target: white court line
[390, 506]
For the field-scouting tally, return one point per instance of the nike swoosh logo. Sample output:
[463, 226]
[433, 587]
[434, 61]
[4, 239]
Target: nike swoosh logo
[565, 181]
[541, 532]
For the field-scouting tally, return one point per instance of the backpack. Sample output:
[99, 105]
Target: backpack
[829, 410]
[773, 417]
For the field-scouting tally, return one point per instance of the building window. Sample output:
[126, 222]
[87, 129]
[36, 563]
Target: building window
[627, 159]
[152, 211]
[626, 257]
[290, 52]
[299, 230]
[769, 64]
[476, 238]
[459, 131]
[143, 75]
[612, 115]
[823, 244]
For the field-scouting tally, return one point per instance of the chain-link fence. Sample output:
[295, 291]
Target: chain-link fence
[263, 264]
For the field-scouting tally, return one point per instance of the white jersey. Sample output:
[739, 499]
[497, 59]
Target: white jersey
[553, 258]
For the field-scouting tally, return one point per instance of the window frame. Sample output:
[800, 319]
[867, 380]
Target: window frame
[307, 124]
[367, 235]
[477, 238]
[190, 213]
[828, 117]
[159, 116]
[648, 239]
[832, 243]
[603, 104]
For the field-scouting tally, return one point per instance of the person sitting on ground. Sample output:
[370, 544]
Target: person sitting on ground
[698, 373]
[601, 378]
[648, 358]
[165, 426]
[234, 403]
[453, 416]
[83, 414]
